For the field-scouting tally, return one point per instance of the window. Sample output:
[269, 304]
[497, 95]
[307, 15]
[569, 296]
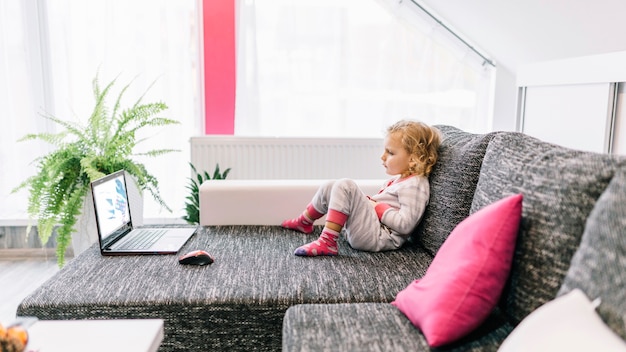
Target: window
[305, 68]
[50, 59]
[352, 67]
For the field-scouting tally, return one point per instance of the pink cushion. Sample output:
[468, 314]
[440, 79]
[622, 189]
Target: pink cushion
[465, 280]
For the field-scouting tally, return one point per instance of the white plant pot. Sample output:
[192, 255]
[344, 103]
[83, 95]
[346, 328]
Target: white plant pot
[86, 233]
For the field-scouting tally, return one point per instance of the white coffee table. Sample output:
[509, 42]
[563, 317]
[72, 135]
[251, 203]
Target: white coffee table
[137, 335]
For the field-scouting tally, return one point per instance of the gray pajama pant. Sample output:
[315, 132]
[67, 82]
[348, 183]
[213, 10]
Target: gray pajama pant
[363, 230]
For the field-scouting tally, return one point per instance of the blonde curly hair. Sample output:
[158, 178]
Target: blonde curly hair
[421, 141]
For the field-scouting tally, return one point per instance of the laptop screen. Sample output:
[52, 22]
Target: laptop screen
[111, 206]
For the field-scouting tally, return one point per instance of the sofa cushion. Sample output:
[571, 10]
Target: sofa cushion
[349, 327]
[568, 323]
[236, 303]
[465, 280]
[599, 265]
[372, 327]
[560, 188]
[452, 184]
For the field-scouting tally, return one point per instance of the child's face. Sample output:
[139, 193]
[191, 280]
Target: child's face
[395, 158]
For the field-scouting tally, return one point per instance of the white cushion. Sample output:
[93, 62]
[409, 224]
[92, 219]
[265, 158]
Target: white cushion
[568, 323]
[261, 202]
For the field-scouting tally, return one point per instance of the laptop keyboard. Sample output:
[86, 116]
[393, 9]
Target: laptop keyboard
[143, 239]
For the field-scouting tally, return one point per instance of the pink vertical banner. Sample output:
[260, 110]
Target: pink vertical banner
[219, 66]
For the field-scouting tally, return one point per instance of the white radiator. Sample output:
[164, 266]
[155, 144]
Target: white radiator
[289, 158]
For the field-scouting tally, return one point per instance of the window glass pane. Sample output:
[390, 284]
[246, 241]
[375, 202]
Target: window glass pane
[139, 42]
[349, 68]
[21, 99]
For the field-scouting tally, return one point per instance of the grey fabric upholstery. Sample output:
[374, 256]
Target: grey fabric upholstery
[452, 184]
[236, 303]
[599, 265]
[258, 296]
[349, 327]
[373, 327]
[560, 188]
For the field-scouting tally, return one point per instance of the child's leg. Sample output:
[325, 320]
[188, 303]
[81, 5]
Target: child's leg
[344, 198]
[326, 244]
[364, 232]
[304, 222]
[315, 210]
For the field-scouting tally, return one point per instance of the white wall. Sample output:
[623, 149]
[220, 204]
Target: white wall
[505, 101]
[610, 67]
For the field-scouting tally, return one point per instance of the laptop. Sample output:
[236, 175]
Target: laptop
[116, 233]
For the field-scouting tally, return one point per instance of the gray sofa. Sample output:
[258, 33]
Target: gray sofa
[259, 296]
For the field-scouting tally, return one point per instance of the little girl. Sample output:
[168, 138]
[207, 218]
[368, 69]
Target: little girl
[385, 220]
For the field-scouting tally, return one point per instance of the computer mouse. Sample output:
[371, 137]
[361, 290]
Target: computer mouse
[198, 257]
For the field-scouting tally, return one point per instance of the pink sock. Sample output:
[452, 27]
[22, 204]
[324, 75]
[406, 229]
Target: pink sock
[304, 222]
[326, 244]
[337, 217]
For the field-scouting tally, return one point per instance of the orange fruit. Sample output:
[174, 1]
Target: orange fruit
[18, 333]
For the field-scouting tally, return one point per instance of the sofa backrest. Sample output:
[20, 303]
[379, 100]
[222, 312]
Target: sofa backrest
[452, 184]
[599, 265]
[560, 188]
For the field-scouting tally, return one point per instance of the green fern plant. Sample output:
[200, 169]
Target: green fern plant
[85, 153]
[192, 206]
